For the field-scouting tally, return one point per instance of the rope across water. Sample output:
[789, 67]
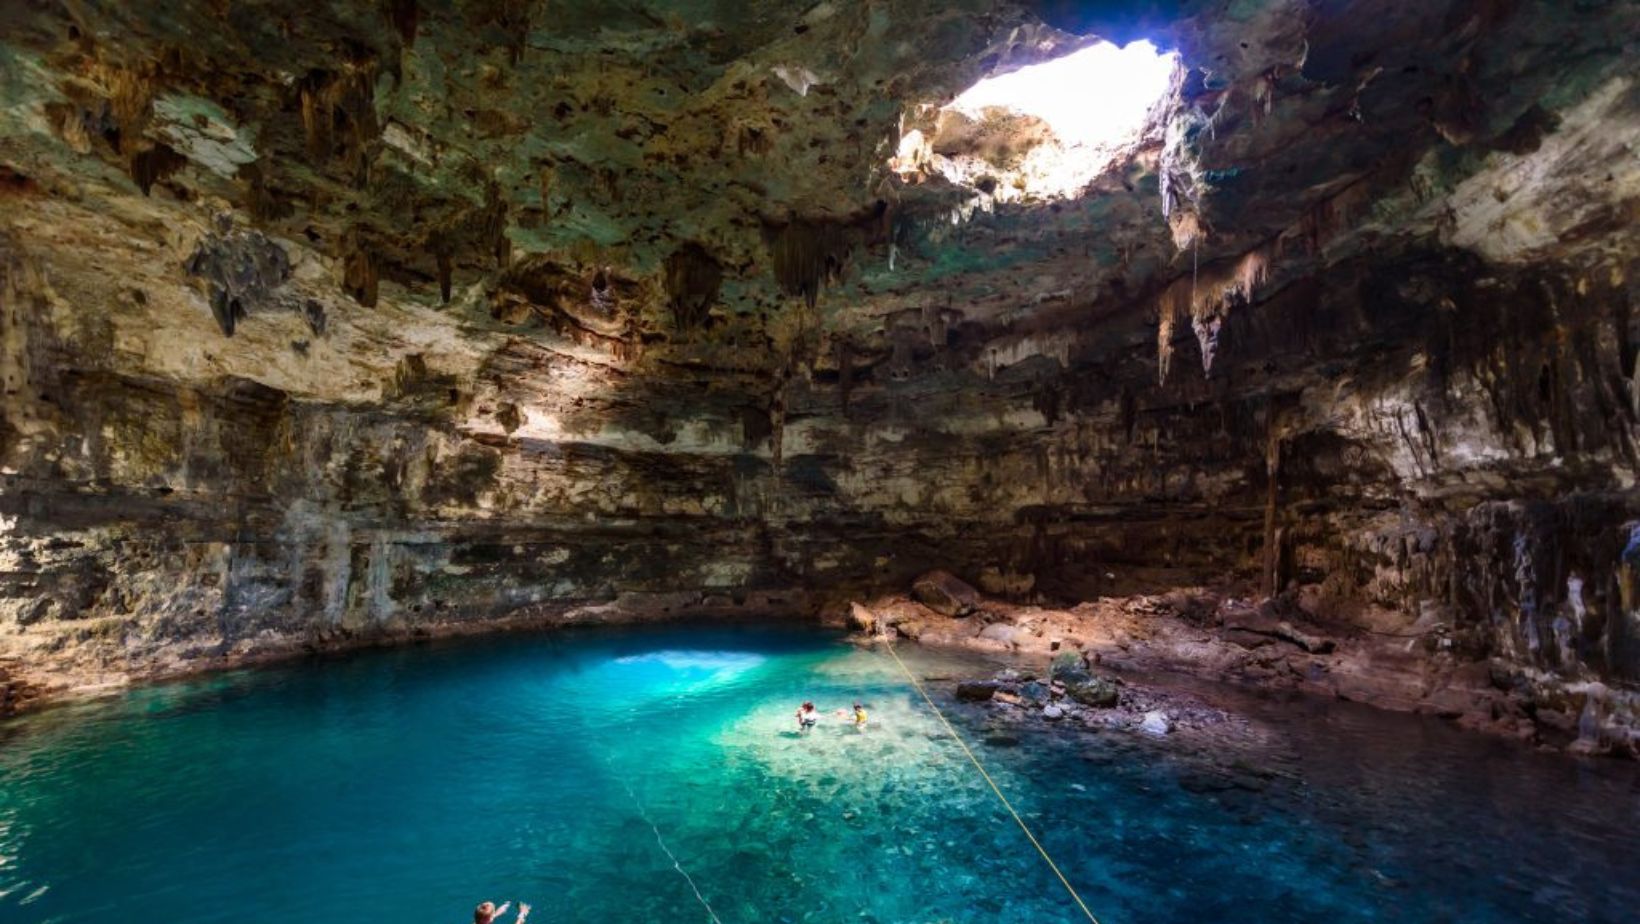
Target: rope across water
[992, 783]
[676, 863]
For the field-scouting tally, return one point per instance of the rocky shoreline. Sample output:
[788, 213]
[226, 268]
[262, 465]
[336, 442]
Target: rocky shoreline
[1080, 665]
[1087, 666]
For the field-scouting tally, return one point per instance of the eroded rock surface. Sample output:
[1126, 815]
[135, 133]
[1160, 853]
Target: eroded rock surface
[357, 320]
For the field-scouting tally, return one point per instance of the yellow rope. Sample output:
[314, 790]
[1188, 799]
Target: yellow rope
[994, 788]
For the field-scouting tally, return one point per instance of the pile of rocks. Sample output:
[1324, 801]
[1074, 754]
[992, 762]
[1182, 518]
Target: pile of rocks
[1072, 691]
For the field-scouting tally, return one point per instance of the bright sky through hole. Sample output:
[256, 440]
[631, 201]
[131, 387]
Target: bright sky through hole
[1096, 96]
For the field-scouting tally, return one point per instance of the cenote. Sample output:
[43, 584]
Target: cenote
[442, 442]
[560, 769]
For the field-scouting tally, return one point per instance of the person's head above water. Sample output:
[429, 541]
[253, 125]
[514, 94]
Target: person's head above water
[484, 913]
[807, 705]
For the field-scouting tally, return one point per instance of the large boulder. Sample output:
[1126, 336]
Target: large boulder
[861, 618]
[1001, 632]
[1094, 691]
[945, 593]
[1081, 684]
[999, 583]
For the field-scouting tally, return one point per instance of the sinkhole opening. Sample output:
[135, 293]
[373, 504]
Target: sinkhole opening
[1044, 130]
[1098, 96]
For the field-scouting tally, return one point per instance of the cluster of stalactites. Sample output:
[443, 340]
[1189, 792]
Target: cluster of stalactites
[693, 279]
[1205, 297]
[339, 116]
[808, 255]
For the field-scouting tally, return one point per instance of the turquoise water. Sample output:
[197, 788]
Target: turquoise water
[405, 786]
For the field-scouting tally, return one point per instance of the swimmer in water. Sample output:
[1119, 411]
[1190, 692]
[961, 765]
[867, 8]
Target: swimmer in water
[858, 713]
[488, 913]
[807, 717]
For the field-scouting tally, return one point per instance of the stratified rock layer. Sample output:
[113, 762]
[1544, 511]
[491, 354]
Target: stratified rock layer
[360, 320]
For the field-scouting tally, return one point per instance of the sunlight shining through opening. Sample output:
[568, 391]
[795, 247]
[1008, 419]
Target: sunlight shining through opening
[1095, 97]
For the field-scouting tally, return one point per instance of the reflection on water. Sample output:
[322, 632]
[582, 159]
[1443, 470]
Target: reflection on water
[407, 785]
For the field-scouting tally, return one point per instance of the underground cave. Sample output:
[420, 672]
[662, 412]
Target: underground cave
[1186, 450]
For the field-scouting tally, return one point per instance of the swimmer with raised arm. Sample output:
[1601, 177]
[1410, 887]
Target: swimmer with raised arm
[488, 913]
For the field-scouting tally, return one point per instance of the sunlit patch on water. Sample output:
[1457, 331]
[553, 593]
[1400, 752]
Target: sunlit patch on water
[714, 663]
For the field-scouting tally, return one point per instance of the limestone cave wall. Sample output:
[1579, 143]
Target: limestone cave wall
[334, 324]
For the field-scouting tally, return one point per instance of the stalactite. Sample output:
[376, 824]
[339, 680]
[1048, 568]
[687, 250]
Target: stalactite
[1329, 218]
[264, 204]
[1272, 494]
[1168, 310]
[315, 115]
[405, 15]
[131, 93]
[693, 279]
[359, 271]
[1459, 110]
[808, 255]
[515, 22]
[444, 267]
[154, 164]
[314, 314]
[1206, 301]
[339, 116]
[777, 423]
[844, 351]
[226, 309]
[494, 227]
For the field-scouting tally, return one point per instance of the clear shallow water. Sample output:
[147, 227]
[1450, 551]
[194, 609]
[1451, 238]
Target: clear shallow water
[407, 785]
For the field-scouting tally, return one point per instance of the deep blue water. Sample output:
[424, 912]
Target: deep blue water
[405, 786]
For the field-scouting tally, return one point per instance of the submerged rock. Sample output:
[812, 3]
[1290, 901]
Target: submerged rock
[1035, 692]
[976, 691]
[1155, 723]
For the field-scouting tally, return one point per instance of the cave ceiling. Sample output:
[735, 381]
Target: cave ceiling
[706, 184]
